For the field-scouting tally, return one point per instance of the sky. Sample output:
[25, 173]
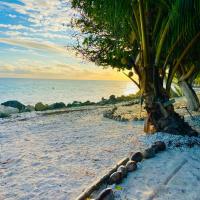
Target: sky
[34, 35]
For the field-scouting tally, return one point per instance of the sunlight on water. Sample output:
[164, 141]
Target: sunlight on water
[29, 91]
[130, 89]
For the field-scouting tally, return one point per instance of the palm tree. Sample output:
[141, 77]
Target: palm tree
[155, 37]
[186, 76]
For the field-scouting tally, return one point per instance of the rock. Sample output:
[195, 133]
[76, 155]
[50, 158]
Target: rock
[106, 194]
[149, 153]
[41, 107]
[161, 146]
[29, 108]
[3, 115]
[155, 147]
[131, 166]
[123, 170]
[14, 104]
[116, 177]
[6, 110]
[137, 157]
[57, 105]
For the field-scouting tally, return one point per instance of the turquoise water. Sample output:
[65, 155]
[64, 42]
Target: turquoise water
[31, 91]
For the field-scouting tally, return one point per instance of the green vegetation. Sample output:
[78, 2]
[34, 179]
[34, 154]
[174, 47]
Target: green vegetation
[41, 107]
[155, 40]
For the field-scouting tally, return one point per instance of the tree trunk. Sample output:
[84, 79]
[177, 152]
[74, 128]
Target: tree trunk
[192, 98]
[160, 110]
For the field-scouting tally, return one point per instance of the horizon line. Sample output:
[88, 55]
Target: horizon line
[34, 78]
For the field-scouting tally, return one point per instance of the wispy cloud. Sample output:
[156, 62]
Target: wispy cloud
[12, 16]
[34, 35]
[59, 71]
[47, 46]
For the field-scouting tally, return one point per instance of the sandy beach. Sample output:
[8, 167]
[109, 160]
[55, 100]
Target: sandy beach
[56, 155]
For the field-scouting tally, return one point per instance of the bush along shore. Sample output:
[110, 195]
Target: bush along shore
[13, 106]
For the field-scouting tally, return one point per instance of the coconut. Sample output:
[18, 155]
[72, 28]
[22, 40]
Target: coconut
[124, 61]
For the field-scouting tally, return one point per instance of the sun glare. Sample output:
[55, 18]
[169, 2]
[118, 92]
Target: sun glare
[130, 89]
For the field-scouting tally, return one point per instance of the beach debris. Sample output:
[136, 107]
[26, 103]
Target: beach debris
[149, 153]
[116, 177]
[131, 166]
[106, 194]
[14, 104]
[137, 157]
[123, 170]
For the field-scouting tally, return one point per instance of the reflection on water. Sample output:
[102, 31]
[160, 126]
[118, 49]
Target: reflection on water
[30, 91]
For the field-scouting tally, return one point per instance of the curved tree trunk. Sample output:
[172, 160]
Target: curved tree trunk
[192, 98]
[160, 110]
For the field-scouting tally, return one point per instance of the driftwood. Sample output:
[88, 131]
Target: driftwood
[94, 186]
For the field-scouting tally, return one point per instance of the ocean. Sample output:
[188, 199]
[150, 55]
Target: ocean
[31, 91]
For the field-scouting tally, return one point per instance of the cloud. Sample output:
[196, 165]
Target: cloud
[12, 16]
[40, 25]
[14, 27]
[54, 15]
[47, 46]
[59, 71]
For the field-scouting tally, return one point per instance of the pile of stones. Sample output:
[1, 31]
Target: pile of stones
[110, 114]
[131, 166]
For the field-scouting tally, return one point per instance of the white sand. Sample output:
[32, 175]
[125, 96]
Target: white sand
[57, 156]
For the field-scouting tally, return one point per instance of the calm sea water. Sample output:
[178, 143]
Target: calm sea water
[31, 91]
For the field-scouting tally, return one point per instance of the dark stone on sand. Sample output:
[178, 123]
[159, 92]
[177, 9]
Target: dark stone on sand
[161, 146]
[106, 194]
[149, 153]
[137, 157]
[123, 170]
[155, 147]
[131, 166]
[14, 104]
[116, 177]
